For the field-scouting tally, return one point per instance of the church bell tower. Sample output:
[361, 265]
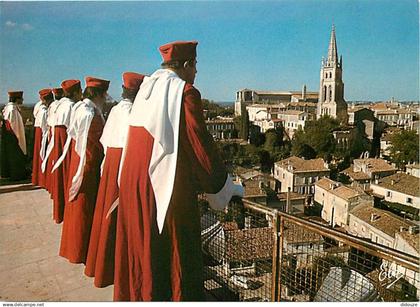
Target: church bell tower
[331, 90]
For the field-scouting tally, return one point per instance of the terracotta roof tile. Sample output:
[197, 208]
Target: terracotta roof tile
[301, 165]
[412, 239]
[385, 221]
[249, 244]
[401, 182]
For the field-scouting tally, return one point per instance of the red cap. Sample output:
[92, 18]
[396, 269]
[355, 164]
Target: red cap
[58, 91]
[70, 85]
[15, 94]
[132, 80]
[179, 51]
[45, 93]
[99, 83]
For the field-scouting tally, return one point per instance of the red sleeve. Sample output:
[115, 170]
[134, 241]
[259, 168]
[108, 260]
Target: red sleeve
[200, 147]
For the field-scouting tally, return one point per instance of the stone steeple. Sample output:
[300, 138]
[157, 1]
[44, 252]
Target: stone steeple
[331, 90]
[332, 49]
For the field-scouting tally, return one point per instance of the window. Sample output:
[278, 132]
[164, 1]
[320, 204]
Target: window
[388, 193]
[409, 200]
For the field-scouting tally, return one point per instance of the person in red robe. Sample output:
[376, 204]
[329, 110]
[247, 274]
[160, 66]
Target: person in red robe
[55, 148]
[40, 124]
[70, 92]
[13, 142]
[48, 138]
[169, 156]
[100, 259]
[86, 126]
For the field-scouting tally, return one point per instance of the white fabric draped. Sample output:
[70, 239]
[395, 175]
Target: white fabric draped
[65, 116]
[12, 115]
[116, 127]
[79, 130]
[157, 108]
[49, 128]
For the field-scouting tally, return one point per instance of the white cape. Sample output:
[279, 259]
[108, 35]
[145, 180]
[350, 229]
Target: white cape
[11, 113]
[157, 108]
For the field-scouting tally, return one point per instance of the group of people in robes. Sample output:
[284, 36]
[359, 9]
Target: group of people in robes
[125, 189]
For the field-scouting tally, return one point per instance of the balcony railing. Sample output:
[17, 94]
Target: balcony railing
[254, 253]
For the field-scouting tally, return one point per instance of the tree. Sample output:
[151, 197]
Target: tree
[404, 147]
[358, 142]
[273, 139]
[244, 132]
[316, 139]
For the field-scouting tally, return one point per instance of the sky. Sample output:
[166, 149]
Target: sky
[262, 45]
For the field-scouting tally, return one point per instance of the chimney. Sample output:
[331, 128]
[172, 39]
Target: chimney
[413, 230]
[392, 181]
[373, 217]
[247, 222]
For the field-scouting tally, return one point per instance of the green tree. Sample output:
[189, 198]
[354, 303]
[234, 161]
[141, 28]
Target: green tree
[404, 147]
[244, 126]
[316, 138]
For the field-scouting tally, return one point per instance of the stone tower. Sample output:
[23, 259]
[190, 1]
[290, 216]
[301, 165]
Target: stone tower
[331, 89]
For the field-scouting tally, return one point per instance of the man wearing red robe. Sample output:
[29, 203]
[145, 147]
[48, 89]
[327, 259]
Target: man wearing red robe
[60, 150]
[61, 112]
[100, 259]
[169, 156]
[85, 130]
[40, 124]
[13, 141]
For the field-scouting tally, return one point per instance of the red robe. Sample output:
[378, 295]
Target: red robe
[167, 266]
[100, 259]
[59, 183]
[78, 214]
[38, 178]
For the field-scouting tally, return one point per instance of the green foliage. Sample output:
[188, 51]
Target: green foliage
[358, 142]
[316, 140]
[405, 147]
[244, 131]
[214, 110]
[255, 136]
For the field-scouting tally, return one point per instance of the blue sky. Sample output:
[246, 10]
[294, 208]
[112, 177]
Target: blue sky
[270, 45]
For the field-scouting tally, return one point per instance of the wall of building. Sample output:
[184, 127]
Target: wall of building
[363, 229]
[396, 197]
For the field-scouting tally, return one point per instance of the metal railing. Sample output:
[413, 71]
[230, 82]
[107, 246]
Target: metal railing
[255, 253]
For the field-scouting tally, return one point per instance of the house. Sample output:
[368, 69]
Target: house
[413, 169]
[294, 120]
[338, 200]
[380, 226]
[298, 175]
[300, 245]
[359, 113]
[254, 190]
[246, 248]
[289, 202]
[221, 128]
[246, 97]
[364, 171]
[267, 124]
[399, 188]
[407, 240]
